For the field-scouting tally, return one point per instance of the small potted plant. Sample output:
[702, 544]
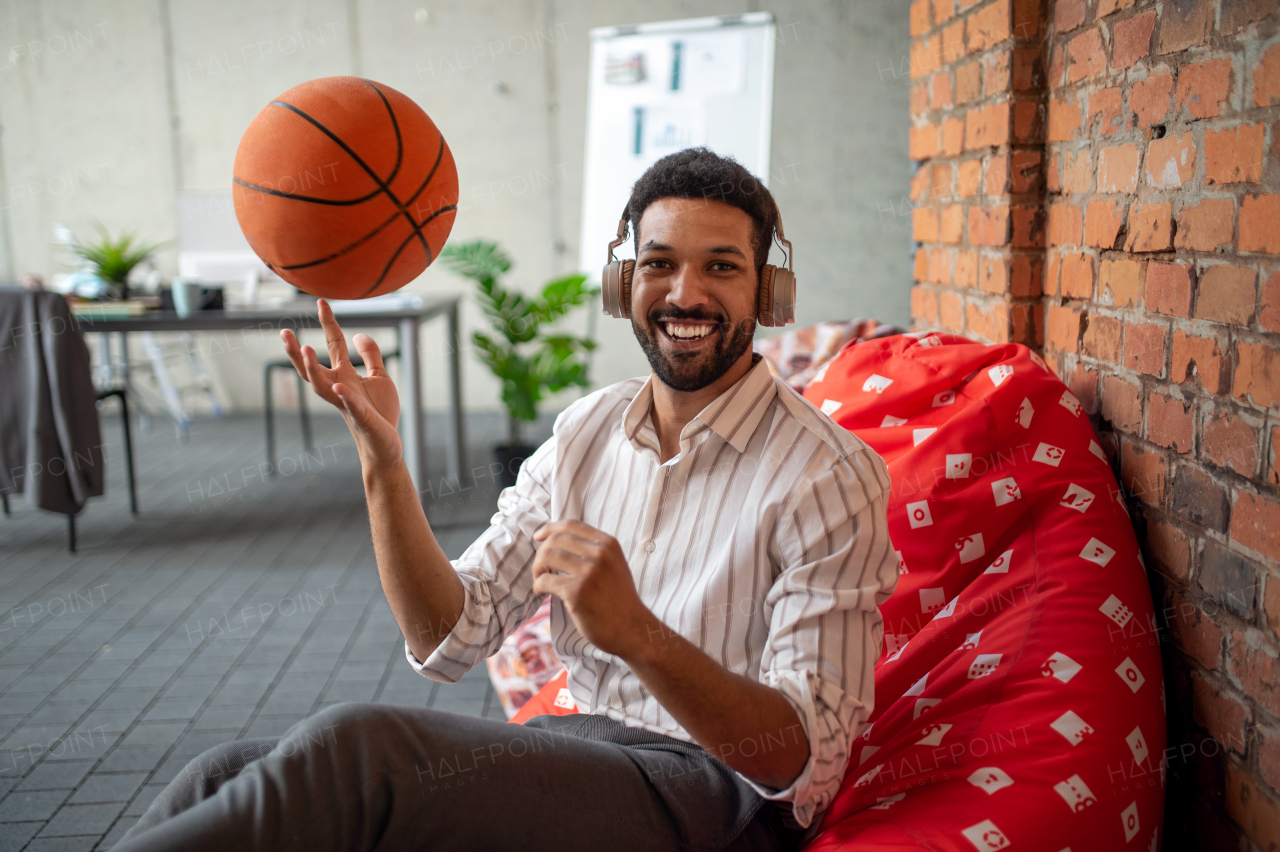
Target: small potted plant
[528, 360]
[111, 259]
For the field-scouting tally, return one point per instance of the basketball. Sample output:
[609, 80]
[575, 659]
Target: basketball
[345, 188]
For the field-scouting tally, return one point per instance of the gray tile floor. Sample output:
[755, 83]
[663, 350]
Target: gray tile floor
[233, 607]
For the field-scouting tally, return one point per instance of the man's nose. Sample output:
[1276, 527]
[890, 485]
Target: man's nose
[688, 290]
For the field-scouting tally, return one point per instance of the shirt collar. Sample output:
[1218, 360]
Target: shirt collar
[733, 415]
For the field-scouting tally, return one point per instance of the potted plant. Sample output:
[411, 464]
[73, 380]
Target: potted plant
[111, 259]
[527, 359]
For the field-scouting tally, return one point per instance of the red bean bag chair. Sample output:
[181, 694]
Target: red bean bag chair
[1020, 697]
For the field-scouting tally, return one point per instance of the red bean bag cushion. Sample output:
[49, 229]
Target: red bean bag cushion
[1020, 698]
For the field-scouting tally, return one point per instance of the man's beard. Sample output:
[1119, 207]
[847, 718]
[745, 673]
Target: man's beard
[693, 371]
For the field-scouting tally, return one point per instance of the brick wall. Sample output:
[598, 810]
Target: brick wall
[1122, 181]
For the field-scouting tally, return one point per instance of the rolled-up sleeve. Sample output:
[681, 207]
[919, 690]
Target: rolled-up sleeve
[837, 567]
[496, 574]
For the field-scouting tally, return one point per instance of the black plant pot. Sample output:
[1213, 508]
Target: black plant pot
[511, 456]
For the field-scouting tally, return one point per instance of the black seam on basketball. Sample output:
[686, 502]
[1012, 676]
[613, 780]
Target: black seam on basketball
[340, 252]
[395, 125]
[417, 229]
[354, 156]
[293, 197]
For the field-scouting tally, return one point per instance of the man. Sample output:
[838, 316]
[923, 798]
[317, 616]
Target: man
[715, 548]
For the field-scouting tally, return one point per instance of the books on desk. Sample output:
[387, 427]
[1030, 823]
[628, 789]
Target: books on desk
[389, 302]
[109, 310]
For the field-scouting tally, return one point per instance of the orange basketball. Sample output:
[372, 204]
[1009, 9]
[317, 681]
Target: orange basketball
[345, 188]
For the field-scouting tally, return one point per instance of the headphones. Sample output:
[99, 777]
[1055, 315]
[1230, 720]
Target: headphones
[775, 299]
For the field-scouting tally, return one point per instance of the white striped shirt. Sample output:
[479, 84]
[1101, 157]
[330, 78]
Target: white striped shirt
[763, 542]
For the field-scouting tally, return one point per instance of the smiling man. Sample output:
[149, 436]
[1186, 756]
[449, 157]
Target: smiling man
[715, 549]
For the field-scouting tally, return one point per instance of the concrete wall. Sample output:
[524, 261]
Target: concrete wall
[110, 109]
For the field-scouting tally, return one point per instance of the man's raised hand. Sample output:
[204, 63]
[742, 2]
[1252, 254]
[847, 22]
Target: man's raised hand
[368, 403]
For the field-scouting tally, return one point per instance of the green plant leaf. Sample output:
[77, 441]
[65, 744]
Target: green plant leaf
[112, 259]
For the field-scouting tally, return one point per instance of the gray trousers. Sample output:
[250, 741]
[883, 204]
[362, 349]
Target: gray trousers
[374, 776]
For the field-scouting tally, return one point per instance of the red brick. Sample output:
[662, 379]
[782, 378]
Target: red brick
[919, 17]
[1219, 713]
[1058, 66]
[1207, 225]
[1260, 223]
[1025, 172]
[1195, 633]
[1025, 71]
[1238, 14]
[1142, 474]
[1255, 523]
[940, 180]
[995, 72]
[1122, 408]
[1102, 221]
[989, 26]
[1257, 375]
[1273, 478]
[1028, 226]
[1256, 669]
[1077, 276]
[919, 269]
[968, 83]
[1055, 268]
[1150, 228]
[1026, 18]
[1068, 14]
[1086, 56]
[1107, 7]
[924, 224]
[919, 183]
[1106, 104]
[1234, 154]
[1252, 809]
[1170, 161]
[952, 137]
[1077, 168]
[1063, 329]
[1064, 120]
[1170, 423]
[989, 226]
[1028, 122]
[1102, 339]
[997, 175]
[1269, 753]
[1266, 78]
[1227, 294]
[924, 303]
[969, 178]
[925, 56]
[1202, 86]
[939, 266]
[967, 269]
[1122, 279]
[942, 10]
[1131, 39]
[951, 224]
[1231, 442]
[1169, 546]
[986, 126]
[1149, 98]
[919, 100]
[922, 141]
[1118, 169]
[1169, 289]
[953, 42]
[1084, 384]
[1185, 23]
[1197, 356]
[1027, 277]
[1066, 225]
[940, 96]
[952, 313]
[1144, 347]
[1269, 316]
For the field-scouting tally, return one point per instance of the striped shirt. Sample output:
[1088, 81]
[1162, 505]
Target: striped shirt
[763, 542]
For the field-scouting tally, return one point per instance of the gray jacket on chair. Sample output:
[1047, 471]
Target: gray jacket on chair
[50, 445]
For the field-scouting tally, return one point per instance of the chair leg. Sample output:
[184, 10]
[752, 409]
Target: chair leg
[269, 417]
[304, 414]
[71, 533]
[4, 498]
[128, 455]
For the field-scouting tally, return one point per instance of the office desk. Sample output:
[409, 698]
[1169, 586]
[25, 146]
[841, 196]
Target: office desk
[301, 314]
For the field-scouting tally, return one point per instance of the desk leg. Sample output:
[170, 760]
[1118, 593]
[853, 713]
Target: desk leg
[411, 423]
[457, 462]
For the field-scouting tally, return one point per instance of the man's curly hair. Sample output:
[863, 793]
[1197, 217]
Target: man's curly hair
[702, 173]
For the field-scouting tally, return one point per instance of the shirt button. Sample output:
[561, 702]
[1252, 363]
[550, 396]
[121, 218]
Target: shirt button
[650, 546]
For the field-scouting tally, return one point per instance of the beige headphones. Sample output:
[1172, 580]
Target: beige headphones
[775, 300]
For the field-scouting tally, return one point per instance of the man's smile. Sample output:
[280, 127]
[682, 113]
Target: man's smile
[685, 335]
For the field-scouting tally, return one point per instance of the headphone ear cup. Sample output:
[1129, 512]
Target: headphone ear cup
[615, 288]
[764, 296]
[783, 310]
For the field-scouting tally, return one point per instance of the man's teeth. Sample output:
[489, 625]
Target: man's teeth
[683, 331]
